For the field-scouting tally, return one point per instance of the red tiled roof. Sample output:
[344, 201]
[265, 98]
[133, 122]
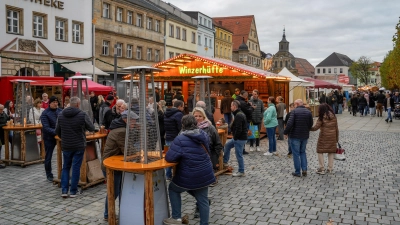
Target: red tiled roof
[239, 25]
[304, 67]
[221, 26]
[376, 65]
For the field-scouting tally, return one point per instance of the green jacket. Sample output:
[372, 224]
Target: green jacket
[270, 119]
[234, 96]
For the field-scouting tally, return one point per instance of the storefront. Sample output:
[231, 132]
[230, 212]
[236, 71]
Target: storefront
[227, 75]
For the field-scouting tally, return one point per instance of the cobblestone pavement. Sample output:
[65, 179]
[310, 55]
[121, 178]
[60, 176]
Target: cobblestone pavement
[364, 189]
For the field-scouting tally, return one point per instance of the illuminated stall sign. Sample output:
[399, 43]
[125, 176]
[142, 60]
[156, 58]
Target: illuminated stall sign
[201, 70]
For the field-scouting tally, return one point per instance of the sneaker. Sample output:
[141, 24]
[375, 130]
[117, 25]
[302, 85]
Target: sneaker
[238, 174]
[304, 173]
[72, 195]
[64, 195]
[296, 175]
[169, 178]
[50, 179]
[386, 120]
[289, 155]
[245, 153]
[320, 171]
[172, 221]
[258, 149]
[252, 149]
[196, 213]
[390, 121]
[268, 154]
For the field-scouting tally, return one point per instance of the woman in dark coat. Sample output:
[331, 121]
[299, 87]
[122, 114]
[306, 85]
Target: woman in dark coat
[362, 103]
[328, 136]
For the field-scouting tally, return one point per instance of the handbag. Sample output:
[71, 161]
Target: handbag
[340, 155]
[214, 160]
[254, 131]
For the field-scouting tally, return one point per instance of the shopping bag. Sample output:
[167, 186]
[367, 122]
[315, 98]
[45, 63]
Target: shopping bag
[94, 171]
[254, 132]
[340, 153]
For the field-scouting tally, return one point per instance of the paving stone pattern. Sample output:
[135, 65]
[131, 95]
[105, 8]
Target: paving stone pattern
[364, 189]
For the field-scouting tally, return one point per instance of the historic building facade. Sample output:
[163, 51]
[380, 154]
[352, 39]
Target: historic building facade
[334, 66]
[39, 31]
[223, 41]
[205, 33]
[244, 32]
[283, 58]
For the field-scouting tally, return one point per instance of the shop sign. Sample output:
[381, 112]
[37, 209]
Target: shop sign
[51, 3]
[201, 70]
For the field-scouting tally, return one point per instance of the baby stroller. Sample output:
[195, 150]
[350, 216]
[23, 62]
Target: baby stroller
[396, 111]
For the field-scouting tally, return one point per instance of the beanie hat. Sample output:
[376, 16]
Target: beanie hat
[53, 98]
[133, 115]
[110, 98]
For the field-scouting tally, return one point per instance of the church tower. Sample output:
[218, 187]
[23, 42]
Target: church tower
[284, 44]
[283, 58]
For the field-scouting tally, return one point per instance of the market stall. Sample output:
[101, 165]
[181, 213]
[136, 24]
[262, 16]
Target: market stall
[297, 86]
[99, 89]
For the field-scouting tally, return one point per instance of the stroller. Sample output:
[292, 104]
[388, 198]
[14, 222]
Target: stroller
[396, 111]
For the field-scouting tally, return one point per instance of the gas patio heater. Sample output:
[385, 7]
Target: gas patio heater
[80, 89]
[202, 88]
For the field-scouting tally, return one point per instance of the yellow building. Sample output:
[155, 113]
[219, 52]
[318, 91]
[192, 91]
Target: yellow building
[223, 41]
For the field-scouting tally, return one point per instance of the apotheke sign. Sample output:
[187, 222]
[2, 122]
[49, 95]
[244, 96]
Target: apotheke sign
[51, 3]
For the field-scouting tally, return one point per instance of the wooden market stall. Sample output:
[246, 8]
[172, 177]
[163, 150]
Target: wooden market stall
[227, 75]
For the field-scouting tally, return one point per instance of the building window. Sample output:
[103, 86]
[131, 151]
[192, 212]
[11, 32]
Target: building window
[119, 49]
[280, 64]
[209, 24]
[171, 55]
[229, 38]
[106, 10]
[225, 52]
[139, 20]
[201, 18]
[329, 70]
[149, 50]
[220, 35]
[224, 36]
[157, 55]
[205, 22]
[39, 25]
[323, 70]
[129, 51]
[216, 49]
[335, 70]
[276, 64]
[129, 17]
[176, 54]
[119, 15]
[178, 33]
[183, 35]
[61, 29]
[220, 51]
[171, 30]
[77, 32]
[14, 20]
[106, 48]
[341, 70]
[199, 38]
[318, 71]
[205, 41]
[193, 37]
[139, 53]
[149, 23]
[286, 64]
[210, 45]
[157, 29]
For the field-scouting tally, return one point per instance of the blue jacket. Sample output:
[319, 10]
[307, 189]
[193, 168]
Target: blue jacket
[49, 121]
[172, 123]
[299, 124]
[194, 169]
[71, 126]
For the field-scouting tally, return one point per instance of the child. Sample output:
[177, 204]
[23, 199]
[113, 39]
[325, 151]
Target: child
[221, 124]
[291, 107]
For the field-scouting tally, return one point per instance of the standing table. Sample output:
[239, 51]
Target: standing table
[22, 129]
[83, 183]
[117, 163]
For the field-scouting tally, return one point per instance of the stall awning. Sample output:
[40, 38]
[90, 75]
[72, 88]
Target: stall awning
[48, 83]
[323, 84]
[84, 67]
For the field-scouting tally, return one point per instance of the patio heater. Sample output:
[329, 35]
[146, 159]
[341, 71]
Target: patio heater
[142, 148]
[80, 89]
[202, 87]
[128, 89]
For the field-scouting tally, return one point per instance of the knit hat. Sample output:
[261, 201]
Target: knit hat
[124, 115]
[110, 98]
[53, 98]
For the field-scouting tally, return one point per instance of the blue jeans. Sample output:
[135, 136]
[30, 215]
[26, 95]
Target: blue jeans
[71, 159]
[239, 145]
[228, 120]
[340, 110]
[201, 196]
[49, 146]
[366, 110]
[117, 190]
[389, 114]
[290, 148]
[168, 170]
[299, 154]
[361, 109]
[334, 108]
[271, 139]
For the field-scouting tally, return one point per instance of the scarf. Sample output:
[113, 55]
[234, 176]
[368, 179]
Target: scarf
[203, 124]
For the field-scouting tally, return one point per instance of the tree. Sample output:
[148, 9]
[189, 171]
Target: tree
[360, 69]
[390, 68]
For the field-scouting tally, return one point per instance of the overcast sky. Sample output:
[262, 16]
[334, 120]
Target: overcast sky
[314, 28]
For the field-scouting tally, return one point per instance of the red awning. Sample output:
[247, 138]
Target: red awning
[93, 86]
[323, 84]
[48, 83]
[42, 81]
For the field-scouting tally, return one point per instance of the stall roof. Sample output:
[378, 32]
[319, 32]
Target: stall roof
[93, 86]
[323, 84]
[84, 67]
[294, 79]
[42, 81]
[182, 59]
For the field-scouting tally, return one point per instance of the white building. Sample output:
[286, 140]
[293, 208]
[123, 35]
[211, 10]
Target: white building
[333, 67]
[42, 31]
[205, 33]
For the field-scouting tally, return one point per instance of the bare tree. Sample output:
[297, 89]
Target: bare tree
[360, 69]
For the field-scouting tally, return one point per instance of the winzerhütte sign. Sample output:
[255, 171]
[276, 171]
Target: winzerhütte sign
[201, 70]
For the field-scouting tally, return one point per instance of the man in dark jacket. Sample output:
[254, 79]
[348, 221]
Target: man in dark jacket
[113, 114]
[257, 117]
[226, 108]
[93, 104]
[380, 98]
[354, 104]
[194, 172]
[3, 122]
[49, 121]
[173, 125]
[246, 108]
[115, 146]
[104, 108]
[71, 127]
[298, 128]
[239, 132]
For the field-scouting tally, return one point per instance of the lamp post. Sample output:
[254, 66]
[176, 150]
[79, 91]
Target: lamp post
[115, 68]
